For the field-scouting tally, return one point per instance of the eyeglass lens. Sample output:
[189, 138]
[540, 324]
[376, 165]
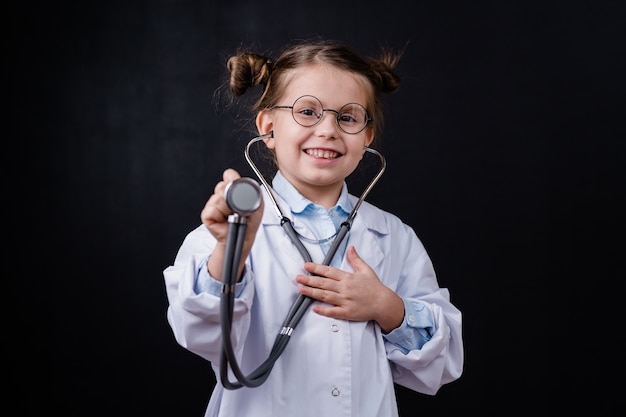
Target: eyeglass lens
[308, 111]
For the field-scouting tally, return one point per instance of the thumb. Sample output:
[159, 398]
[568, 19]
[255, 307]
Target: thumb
[230, 175]
[355, 259]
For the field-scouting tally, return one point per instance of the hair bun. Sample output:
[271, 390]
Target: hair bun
[248, 70]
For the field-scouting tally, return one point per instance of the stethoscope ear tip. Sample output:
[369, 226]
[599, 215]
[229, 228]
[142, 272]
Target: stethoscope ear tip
[269, 134]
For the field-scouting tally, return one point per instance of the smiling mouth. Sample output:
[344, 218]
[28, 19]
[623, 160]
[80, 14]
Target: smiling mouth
[322, 153]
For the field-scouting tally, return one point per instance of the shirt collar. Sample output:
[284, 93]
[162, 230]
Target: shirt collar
[298, 203]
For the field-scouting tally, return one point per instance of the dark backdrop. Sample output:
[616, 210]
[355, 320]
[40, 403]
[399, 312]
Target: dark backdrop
[505, 153]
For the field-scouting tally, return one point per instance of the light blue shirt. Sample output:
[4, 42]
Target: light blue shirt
[417, 326]
[323, 223]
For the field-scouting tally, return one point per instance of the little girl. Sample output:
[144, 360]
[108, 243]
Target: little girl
[378, 315]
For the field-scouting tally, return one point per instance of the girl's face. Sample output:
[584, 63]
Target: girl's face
[317, 159]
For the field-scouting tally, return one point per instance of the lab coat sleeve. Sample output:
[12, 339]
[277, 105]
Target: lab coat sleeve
[439, 360]
[195, 318]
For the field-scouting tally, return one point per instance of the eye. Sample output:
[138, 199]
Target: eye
[308, 112]
[347, 118]
[353, 114]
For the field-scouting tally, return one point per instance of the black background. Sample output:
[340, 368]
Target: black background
[505, 152]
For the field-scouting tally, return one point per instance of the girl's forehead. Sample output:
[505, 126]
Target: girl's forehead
[332, 85]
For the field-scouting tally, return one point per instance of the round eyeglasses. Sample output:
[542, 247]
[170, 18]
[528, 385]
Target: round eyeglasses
[308, 111]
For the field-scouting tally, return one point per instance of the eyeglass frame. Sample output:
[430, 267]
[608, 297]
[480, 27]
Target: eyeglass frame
[368, 119]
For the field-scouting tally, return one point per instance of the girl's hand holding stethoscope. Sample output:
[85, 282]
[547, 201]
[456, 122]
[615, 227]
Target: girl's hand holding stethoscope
[215, 217]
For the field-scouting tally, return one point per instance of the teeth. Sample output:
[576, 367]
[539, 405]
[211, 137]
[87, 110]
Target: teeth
[321, 153]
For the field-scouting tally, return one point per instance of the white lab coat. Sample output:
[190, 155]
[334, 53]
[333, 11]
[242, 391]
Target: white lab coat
[330, 367]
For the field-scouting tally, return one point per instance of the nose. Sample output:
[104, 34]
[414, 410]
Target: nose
[329, 123]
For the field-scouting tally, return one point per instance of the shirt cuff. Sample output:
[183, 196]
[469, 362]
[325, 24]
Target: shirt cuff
[416, 328]
[206, 283]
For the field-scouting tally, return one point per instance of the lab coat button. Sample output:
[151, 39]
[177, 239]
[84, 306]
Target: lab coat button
[334, 328]
[335, 392]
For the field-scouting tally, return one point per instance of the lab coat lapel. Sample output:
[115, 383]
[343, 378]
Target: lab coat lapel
[368, 224]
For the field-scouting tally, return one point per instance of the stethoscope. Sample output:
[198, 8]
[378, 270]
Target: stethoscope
[243, 197]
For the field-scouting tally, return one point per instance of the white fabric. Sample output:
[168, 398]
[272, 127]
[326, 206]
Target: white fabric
[330, 367]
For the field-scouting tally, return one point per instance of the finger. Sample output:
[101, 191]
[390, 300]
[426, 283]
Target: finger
[314, 281]
[218, 202]
[213, 214]
[330, 311]
[322, 270]
[230, 175]
[319, 294]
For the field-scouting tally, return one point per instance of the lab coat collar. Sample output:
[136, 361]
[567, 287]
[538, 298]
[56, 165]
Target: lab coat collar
[297, 202]
[368, 225]
[368, 217]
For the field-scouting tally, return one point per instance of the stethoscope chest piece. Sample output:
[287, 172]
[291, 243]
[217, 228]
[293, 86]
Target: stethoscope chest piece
[243, 196]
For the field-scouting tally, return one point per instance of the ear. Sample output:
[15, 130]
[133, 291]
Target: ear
[265, 124]
[369, 136]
